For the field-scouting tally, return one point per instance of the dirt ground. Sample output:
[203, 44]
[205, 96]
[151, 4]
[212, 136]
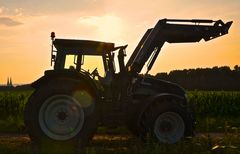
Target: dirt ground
[14, 140]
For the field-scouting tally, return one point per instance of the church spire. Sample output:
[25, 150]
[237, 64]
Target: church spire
[8, 81]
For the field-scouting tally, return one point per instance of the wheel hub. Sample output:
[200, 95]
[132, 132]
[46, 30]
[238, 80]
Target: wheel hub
[61, 117]
[165, 126]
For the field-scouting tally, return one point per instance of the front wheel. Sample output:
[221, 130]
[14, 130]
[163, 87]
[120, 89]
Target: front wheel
[169, 127]
[168, 121]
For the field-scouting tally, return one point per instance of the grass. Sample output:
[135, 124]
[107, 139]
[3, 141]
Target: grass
[218, 124]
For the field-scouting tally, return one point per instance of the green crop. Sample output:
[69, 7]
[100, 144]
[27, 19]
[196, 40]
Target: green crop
[213, 109]
[215, 103]
[13, 103]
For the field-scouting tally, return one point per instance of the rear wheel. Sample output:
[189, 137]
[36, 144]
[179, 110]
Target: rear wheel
[168, 121]
[61, 119]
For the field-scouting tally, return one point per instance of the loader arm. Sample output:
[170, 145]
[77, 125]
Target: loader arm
[173, 31]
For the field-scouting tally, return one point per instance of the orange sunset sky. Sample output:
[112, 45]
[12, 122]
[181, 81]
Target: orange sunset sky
[25, 28]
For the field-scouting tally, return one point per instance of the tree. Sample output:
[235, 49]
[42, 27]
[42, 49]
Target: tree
[236, 68]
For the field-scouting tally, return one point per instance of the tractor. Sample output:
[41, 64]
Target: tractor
[70, 102]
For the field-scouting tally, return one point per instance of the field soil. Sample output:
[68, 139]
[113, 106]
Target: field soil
[15, 140]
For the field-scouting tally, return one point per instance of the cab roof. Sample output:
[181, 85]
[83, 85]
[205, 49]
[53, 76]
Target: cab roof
[84, 47]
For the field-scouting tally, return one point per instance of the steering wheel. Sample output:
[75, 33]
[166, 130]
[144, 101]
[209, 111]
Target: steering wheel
[94, 73]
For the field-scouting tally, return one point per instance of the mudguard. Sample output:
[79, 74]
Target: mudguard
[142, 105]
[72, 75]
[149, 101]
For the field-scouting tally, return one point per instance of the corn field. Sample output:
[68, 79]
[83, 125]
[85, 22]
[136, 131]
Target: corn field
[13, 103]
[215, 103]
[206, 103]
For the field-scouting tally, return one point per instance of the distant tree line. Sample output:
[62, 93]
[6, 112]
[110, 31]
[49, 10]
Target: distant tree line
[24, 87]
[216, 78]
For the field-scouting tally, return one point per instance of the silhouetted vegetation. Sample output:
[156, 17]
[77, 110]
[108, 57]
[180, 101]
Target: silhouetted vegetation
[216, 78]
[24, 87]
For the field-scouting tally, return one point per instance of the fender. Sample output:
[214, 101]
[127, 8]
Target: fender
[149, 101]
[144, 104]
[73, 77]
[51, 75]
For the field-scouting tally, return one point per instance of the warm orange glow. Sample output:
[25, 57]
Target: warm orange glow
[25, 42]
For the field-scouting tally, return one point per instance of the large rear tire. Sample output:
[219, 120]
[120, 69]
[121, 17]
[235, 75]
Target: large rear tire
[61, 117]
[168, 121]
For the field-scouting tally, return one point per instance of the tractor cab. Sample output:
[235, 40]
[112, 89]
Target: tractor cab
[86, 57]
[70, 54]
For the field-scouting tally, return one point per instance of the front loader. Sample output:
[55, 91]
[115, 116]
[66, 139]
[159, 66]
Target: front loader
[70, 102]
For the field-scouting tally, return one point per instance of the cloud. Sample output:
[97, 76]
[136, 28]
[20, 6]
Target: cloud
[36, 7]
[6, 21]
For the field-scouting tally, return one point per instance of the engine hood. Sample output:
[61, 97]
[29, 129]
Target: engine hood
[152, 86]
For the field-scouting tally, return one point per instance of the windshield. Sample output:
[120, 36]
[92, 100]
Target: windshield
[89, 63]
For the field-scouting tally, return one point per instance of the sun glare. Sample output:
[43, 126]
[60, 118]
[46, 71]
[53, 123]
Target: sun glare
[108, 27]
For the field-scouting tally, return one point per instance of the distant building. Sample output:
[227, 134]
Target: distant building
[7, 86]
[9, 82]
